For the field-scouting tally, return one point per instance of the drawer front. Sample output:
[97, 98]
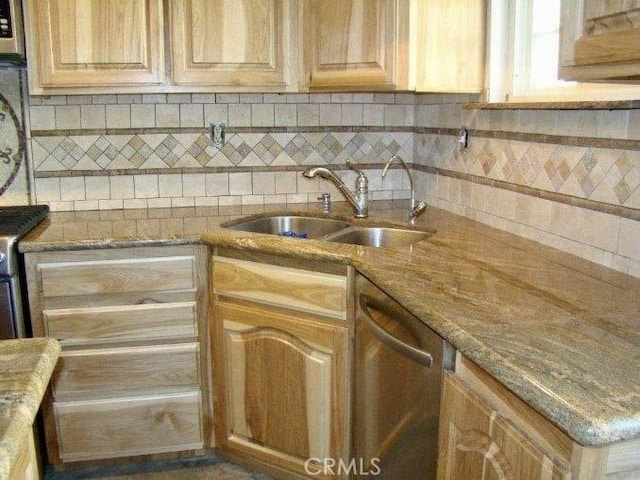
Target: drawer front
[122, 323]
[319, 293]
[115, 371]
[136, 426]
[61, 279]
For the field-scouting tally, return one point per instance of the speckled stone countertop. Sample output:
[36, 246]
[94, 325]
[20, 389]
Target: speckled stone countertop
[560, 332]
[26, 366]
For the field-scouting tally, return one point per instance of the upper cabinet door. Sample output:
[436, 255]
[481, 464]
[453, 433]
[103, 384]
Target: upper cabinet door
[356, 44]
[233, 43]
[92, 43]
[450, 45]
[600, 40]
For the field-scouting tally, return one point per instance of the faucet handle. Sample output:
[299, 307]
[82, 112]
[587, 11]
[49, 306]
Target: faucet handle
[352, 166]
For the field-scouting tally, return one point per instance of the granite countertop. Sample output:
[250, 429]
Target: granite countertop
[560, 332]
[26, 366]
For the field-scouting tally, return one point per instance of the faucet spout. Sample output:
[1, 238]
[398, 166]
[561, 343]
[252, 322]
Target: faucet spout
[359, 202]
[415, 209]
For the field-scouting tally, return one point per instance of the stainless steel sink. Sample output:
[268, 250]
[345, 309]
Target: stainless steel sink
[378, 236]
[289, 226]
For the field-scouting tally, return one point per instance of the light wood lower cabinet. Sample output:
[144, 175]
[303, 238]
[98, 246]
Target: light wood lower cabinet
[132, 378]
[282, 372]
[486, 432]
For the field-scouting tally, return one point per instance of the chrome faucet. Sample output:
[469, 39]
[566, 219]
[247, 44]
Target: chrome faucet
[415, 209]
[360, 201]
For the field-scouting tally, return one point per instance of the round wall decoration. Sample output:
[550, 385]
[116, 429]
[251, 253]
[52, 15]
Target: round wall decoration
[11, 144]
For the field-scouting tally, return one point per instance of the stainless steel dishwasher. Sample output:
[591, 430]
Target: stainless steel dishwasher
[398, 374]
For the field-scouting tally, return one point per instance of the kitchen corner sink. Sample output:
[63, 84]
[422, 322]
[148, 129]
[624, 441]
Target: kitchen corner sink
[290, 226]
[378, 236]
[328, 229]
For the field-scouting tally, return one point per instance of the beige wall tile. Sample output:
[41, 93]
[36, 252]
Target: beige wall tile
[216, 113]
[72, 188]
[122, 187]
[217, 184]
[286, 115]
[262, 115]
[352, 114]
[97, 188]
[330, 114]
[308, 115]
[47, 189]
[169, 185]
[143, 115]
[239, 115]
[629, 241]
[264, 183]
[112, 204]
[191, 115]
[145, 186]
[168, 115]
[42, 117]
[240, 184]
[118, 116]
[67, 116]
[93, 116]
[194, 185]
[286, 182]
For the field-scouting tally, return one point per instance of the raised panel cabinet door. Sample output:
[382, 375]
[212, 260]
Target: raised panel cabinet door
[284, 380]
[356, 44]
[600, 40]
[233, 43]
[94, 43]
[476, 442]
[450, 45]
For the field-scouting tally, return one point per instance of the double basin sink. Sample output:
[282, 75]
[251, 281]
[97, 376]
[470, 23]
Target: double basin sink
[329, 229]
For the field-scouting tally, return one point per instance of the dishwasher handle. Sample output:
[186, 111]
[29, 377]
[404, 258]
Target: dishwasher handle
[415, 354]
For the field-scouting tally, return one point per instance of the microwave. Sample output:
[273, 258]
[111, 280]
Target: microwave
[11, 32]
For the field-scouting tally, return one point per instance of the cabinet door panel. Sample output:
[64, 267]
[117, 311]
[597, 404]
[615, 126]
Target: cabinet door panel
[231, 42]
[599, 40]
[284, 381]
[85, 43]
[476, 442]
[356, 43]
[450, 46]
[136, 426]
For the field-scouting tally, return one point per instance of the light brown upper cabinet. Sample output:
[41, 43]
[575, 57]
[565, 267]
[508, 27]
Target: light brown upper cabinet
[88, 44]
[600, 40]
[92, 46]
[449, 52]
[356, 44]
[244, 44]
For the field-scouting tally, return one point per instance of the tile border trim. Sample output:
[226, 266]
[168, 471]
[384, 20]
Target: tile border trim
[574, 141]
[617, 210]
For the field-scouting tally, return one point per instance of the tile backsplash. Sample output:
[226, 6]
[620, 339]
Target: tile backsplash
[569, 179]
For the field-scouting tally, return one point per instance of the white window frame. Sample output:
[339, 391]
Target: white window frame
[501, 39]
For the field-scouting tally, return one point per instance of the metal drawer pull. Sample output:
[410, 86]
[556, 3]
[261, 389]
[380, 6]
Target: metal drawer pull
[415, 354]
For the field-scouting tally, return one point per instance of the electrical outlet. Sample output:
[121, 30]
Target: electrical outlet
[463, 138]
[217, 133]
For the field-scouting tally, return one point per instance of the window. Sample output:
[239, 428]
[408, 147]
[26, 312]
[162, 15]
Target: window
[523, 57]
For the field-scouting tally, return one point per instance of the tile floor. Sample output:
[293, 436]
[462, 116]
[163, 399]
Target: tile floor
[186, 469]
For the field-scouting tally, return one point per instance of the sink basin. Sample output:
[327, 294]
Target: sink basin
[290, 226]
[378, 236]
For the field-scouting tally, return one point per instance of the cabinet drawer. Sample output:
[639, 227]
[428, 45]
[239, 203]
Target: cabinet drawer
[122, 323]
[117, 276]
[315, 292]
[112, 371]
[136, 426]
